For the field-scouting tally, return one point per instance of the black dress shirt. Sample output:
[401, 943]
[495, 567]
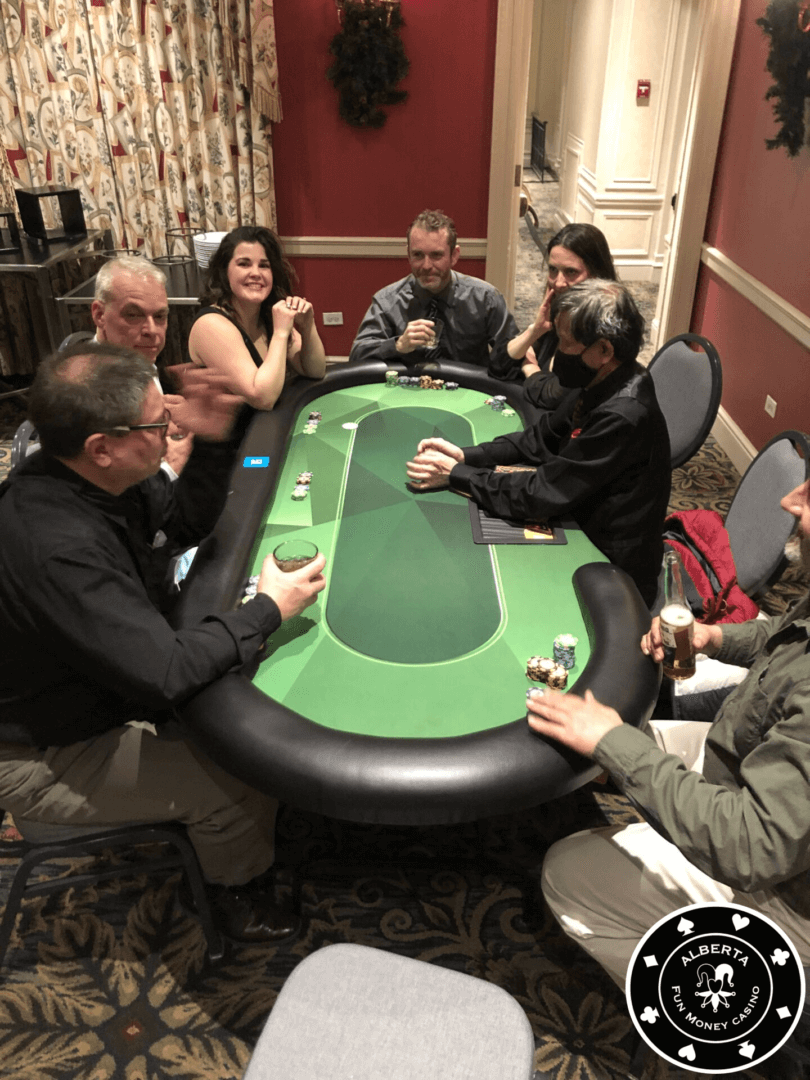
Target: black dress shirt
[607, 465]
[86, 644]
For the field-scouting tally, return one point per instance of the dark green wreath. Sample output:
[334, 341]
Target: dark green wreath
[789, 63]
[369, 62]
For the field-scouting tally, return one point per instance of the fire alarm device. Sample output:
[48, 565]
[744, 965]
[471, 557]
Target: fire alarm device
[643, 90]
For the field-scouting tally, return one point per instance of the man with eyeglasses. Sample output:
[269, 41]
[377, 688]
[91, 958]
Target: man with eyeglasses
[91, 671]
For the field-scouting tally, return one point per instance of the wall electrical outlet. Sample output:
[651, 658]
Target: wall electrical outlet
[333, 318]
[770, 405]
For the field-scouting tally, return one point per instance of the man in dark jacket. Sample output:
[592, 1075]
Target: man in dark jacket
[602, 457]
[91, 672]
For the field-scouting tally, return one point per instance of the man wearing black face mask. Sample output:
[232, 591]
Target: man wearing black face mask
[602, 456]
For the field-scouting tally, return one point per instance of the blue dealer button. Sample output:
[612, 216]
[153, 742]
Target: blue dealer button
[256, 462]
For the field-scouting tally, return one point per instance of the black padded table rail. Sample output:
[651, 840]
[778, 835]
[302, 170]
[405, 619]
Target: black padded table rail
[378, 777]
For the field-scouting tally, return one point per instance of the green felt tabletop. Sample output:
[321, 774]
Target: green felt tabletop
[420, 632]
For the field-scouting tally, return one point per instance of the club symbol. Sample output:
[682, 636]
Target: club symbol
[650, 1015]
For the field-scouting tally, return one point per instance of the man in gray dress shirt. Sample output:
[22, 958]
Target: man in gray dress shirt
[474, 324]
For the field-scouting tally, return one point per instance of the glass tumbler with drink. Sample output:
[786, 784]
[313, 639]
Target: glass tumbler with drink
[677, 623]
[293, 554]
[435, 333]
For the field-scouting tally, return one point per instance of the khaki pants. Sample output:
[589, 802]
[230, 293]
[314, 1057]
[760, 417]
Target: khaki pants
[607, 887]
[130, 774]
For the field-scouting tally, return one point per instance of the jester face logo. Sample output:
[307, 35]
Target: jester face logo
[714, 985]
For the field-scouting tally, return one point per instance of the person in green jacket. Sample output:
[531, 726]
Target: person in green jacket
[727, 813]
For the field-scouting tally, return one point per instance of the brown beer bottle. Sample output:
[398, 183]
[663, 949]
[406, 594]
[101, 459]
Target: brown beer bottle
[677, 622]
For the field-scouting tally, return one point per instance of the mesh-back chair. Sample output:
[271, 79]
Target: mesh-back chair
[43, 843]
[349, 1012]
[758, 527]
[688, 385]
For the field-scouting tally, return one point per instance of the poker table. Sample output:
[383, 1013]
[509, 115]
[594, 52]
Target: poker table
[399, 697]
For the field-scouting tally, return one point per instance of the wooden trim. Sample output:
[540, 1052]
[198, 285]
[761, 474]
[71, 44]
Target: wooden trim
[510, 91]
[707, 99]
[367, 247]
[789, 318]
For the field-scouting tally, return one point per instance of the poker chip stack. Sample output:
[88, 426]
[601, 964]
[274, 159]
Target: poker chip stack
[301, 489]
[425, 382]
[451, 386]
[311, 425]
[498, 403]
[251, 588]
[564, 650]
[391, 378]
[546, 670]
[538, 668]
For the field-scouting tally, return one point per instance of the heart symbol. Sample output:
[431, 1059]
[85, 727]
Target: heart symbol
[747, 1050]
[740, 921]
[687, 1052]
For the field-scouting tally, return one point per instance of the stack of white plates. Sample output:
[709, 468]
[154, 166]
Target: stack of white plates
[205, 244]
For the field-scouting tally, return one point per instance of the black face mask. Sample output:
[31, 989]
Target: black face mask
[571, 370]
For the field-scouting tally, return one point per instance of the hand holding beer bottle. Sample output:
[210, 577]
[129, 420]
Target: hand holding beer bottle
[677, 623]
[674, 636]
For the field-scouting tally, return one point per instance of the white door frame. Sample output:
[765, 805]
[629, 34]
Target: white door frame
[707, 98]
[511, 91]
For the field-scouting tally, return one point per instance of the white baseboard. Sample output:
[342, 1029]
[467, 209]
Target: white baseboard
[734, 441]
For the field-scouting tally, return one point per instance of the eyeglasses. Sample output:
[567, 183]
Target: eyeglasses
[124, 429]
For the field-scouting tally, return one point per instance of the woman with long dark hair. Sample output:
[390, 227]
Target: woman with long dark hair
[578, 251]
[251, 327]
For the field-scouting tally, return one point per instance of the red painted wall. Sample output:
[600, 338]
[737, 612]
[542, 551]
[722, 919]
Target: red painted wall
[757, 217]
[432, 152]
[758, 357]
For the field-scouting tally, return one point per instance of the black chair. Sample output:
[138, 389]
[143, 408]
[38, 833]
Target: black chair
[42, 843]
[688, 385]
[75, 338]
[25, 439]
[758, 528]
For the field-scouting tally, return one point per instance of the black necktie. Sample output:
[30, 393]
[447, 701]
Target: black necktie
[433, 313]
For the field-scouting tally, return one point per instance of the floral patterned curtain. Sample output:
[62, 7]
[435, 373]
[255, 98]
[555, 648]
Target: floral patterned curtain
[156, 110]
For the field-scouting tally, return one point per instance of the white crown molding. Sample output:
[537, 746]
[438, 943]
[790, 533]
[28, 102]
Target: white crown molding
[784, 314]
[367, 247]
